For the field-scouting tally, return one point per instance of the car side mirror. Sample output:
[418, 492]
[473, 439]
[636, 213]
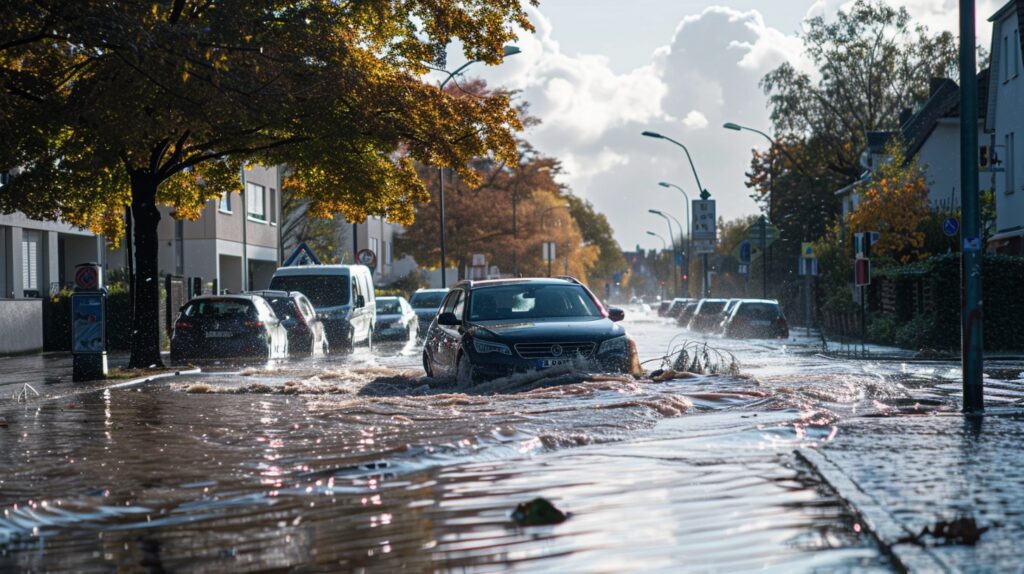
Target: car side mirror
[616, 314]
[360, 301]
[448, 319]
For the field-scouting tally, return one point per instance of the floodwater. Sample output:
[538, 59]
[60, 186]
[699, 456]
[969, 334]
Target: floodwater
[362, 463]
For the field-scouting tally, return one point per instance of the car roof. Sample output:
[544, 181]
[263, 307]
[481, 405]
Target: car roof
[516, 281]
[272, 293]
[313, 270]
[386, 298]
[765, 301]
[235, 296]
[441, 290]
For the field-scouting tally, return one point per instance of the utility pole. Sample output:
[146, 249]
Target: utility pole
[970, 255]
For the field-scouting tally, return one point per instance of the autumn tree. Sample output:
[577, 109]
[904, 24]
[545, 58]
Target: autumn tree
[114, 105]
[894, 202]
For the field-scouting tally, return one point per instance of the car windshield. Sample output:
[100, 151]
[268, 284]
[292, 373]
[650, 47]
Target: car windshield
[389, 307]
[221, 309]
[322, 290]
[758, 311]
[527, 301]
[711, 307]
[427, 300]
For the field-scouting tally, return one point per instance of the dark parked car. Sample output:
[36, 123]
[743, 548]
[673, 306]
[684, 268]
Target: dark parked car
[306, 334]
[488, 329]
[228, 326]
[426, 302]
[707, 315]
[686, 314]
[395, 319]
[756, 318]
[663, 307]
[677, 307]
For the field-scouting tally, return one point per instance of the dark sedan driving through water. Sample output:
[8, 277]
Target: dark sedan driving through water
[490, 329]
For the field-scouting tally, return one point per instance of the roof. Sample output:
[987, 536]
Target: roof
[237, 296]
[1011, 5]
[517, 281]
[317, 269]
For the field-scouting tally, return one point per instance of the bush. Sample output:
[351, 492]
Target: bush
[882, 329]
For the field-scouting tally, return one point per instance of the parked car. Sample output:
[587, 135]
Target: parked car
[677, 307]
[663, 307]
[306, 334]
[228, 327]
[756, 318]
[342, 296]
[718, 323]
[426, 302]
[488, 329]
[396, 319]
[686, 314]
[707, 315]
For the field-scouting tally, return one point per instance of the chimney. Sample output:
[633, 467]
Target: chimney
[905, 115]
[934, 84]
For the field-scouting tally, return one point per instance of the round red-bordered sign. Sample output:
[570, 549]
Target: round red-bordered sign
[367, 257]
[87, 277]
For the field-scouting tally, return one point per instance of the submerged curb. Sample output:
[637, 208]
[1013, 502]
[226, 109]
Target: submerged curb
[154, 377]
[874, 517]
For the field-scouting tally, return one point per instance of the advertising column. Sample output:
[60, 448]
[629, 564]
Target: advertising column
[88, 324]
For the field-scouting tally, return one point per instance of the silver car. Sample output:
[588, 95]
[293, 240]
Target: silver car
[395, 320]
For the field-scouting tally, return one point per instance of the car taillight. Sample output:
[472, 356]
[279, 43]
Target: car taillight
[254, 324]
[183, 325]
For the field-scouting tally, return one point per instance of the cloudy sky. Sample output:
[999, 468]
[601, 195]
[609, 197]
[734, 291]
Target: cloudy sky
[599, 72]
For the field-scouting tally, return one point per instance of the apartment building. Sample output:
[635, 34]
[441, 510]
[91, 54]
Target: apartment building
[1005, 122]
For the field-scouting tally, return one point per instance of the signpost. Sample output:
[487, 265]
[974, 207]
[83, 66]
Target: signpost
[951, 226]
[808, 268]
[704, 232]
[88, 324]
[548, 252]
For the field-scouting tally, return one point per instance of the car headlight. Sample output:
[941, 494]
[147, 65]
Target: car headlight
[618, 345]
[482, 346]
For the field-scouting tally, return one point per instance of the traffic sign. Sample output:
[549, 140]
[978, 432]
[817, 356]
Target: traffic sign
[745, 251]
[701, 246]
[807, 250]
[808, 266]
[705, 226]
[87, 277]
[367, 257]
[862, 272]
[951, 226]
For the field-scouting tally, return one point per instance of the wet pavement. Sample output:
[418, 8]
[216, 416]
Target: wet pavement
[363, 463]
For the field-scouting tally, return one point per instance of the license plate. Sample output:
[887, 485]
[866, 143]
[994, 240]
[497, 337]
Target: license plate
[218, 334]
[760, 323]
[547, 363]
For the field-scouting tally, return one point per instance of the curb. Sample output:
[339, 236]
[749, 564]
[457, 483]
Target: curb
[874, 517]
[121, 385]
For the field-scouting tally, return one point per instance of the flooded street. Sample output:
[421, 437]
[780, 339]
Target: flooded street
[361, 462]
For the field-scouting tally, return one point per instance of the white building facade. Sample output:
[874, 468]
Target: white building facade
[1005, 125]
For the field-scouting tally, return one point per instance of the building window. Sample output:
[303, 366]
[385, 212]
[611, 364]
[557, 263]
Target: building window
[256, 201]
[272, 196]
[1006, 58]
[1016, 53]
[30, 253]
[225, 202]
[1010, 164]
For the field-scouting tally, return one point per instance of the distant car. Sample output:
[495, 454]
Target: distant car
[306, 334]
[489, 329]
[342, 296]
[686, 314]
[663, 307]
[718, 323]
[396, 320]
[756, 318]
[228, 327]
[707, 315]
[426, 302]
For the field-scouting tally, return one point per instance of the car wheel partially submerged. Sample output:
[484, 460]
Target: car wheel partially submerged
[465, 373]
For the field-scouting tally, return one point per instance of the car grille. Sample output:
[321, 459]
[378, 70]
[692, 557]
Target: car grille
[545, 350]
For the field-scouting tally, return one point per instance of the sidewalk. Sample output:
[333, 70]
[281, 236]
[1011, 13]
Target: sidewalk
[904, 473]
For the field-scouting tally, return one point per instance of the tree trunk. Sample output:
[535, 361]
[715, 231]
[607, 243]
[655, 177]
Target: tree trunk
[146, 311]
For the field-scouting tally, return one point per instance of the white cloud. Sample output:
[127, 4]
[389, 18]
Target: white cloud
[695, 120]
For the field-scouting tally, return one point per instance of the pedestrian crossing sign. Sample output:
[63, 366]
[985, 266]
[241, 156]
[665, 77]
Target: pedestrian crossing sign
[807, 250]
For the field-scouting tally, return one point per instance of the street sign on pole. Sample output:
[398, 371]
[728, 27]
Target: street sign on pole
[704, 222]
[808, 266]
[862, 272]
[368, 258]
[701, 246]
[807, 250]
[762, 234]
[548, 250]
[951, 226]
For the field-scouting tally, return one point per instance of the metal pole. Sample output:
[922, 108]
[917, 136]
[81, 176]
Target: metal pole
[440, 181]
[515, 236]
[245, 239]
[807, 298]
[707, 287]
[764, 259]
[970, 256]
[550, 257]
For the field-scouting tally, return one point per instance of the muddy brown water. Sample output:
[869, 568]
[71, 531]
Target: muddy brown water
[363, 463]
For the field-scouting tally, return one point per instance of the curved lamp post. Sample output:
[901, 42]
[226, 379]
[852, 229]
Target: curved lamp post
[508, 51]
[771, 194]
[704, 194]
[664, 247]
[675, 249]
[689, 228]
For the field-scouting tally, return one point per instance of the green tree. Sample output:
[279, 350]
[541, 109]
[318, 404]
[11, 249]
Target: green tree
[597, 232]
[114, 105]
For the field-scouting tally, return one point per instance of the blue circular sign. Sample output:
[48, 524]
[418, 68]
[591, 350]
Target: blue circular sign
[951, 226]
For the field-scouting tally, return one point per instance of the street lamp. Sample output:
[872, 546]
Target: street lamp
[689, 227]
[675, 250]
[543, 224]
[771, 194]
[664, 247]
[507, 51]
[704, 194]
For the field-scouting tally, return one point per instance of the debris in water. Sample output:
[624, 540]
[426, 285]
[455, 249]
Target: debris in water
[962, 530]
[538, 512]
[198, 388]
[699, 358]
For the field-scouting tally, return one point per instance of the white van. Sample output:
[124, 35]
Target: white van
[342, 296]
